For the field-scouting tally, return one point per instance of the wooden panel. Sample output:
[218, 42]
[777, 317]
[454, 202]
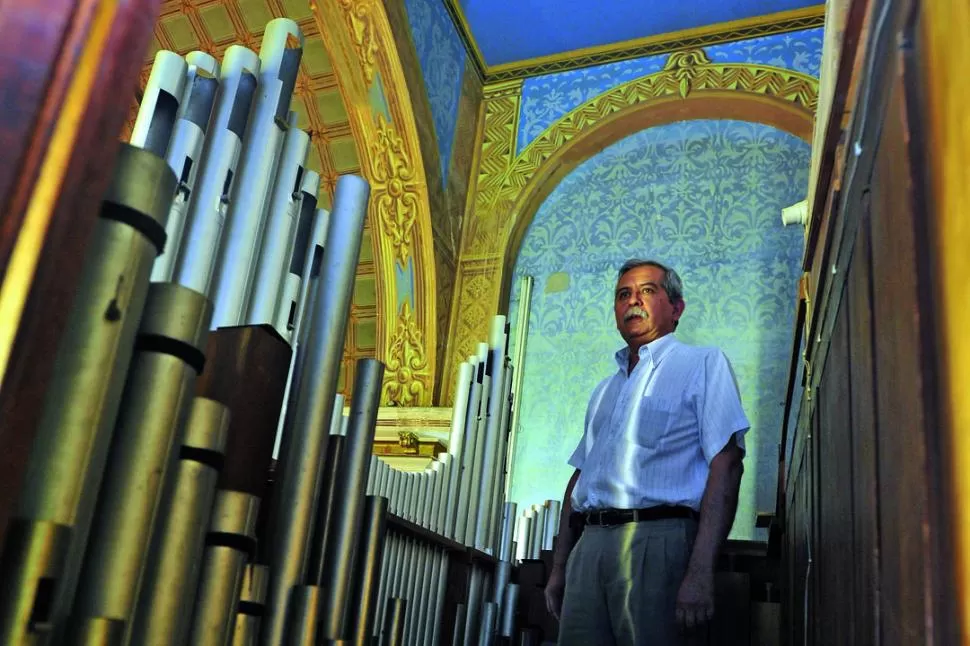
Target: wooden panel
[899, 405]
[835, 561]
[865, 550]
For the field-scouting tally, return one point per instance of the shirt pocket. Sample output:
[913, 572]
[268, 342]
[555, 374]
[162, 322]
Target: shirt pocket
[654, 420]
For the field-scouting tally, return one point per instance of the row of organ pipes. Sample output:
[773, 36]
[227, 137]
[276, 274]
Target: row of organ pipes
[155, 514]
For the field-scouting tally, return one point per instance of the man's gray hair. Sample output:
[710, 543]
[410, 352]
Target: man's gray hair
[671, 282]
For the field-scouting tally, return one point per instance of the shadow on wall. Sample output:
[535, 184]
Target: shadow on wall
[704, 197]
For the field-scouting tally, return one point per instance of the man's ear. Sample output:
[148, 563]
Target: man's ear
[679, 308]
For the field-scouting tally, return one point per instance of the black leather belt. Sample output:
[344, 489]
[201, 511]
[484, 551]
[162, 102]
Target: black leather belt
[609, 517]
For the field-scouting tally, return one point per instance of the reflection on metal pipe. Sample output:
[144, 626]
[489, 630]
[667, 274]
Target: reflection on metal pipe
[252, 604]
[174, 561]
[66, 461]
[168, 357]
[346, 517]
[98, 631]
[304, 439]
[394, 622]
[212, 197]
[230, 543]
[367, 575]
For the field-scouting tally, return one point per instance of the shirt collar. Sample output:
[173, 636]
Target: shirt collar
[655, 351]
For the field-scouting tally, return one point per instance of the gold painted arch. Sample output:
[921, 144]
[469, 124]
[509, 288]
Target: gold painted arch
[512, 187]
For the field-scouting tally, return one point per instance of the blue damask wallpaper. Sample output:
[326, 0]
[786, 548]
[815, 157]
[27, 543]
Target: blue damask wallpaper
[442, 59]
[546, 99]
[706, 198]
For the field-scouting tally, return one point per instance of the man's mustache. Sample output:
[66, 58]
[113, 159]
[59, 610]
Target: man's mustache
[634, 311]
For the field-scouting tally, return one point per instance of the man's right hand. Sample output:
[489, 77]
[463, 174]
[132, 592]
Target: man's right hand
[555, 587]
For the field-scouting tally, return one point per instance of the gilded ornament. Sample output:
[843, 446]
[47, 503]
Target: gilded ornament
[394, 190]
[406, 378]
[362, 28]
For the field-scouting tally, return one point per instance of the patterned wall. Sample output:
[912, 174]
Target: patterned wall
[704, 196]
[547, 98]
[442, 58]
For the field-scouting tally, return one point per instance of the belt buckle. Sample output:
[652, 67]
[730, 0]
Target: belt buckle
[602, 522]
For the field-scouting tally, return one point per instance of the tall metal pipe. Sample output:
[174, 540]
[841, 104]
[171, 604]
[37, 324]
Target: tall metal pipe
[335, 611]
[252, 604]
[367, 574]
[505, 552]
[461, 618]
[216, 181]
[282, 218]
[159, 105]
[185, 151]
[156, 402]
[459, 412]
[487, 629]
[501, 475]
[518, 362]
[279, 55]
[304, 439]
[468, 453]
[442, 583]
[172, 574]
[231, 541]
[551, 524]
[476, 456]
[490, 443]
[48, 533]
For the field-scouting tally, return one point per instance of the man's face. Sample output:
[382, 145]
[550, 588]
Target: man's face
[642, 308]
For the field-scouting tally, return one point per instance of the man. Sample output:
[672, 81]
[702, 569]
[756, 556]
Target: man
[656, 483]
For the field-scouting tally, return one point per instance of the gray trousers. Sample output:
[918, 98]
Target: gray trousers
[622, 583]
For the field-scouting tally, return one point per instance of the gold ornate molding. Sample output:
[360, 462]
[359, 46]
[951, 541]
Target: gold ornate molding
[395, 191]
[510, 186]
[405, 377]
[361, 46]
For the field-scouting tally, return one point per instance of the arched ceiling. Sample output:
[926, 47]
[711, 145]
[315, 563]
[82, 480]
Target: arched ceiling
[506, 33]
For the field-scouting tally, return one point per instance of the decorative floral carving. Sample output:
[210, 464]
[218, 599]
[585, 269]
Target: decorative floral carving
[683, 67]
[406, 378]
[395, 192]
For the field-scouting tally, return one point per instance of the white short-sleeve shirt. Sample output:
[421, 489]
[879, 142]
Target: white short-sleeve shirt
[650, 435]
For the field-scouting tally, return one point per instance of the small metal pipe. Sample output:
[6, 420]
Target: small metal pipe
[551, 524]
[155, 405]
[442, 584]
[539, 527]
[461, 619]
[394, 622]
[172, 574]
[230, 542]
[473, 616]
